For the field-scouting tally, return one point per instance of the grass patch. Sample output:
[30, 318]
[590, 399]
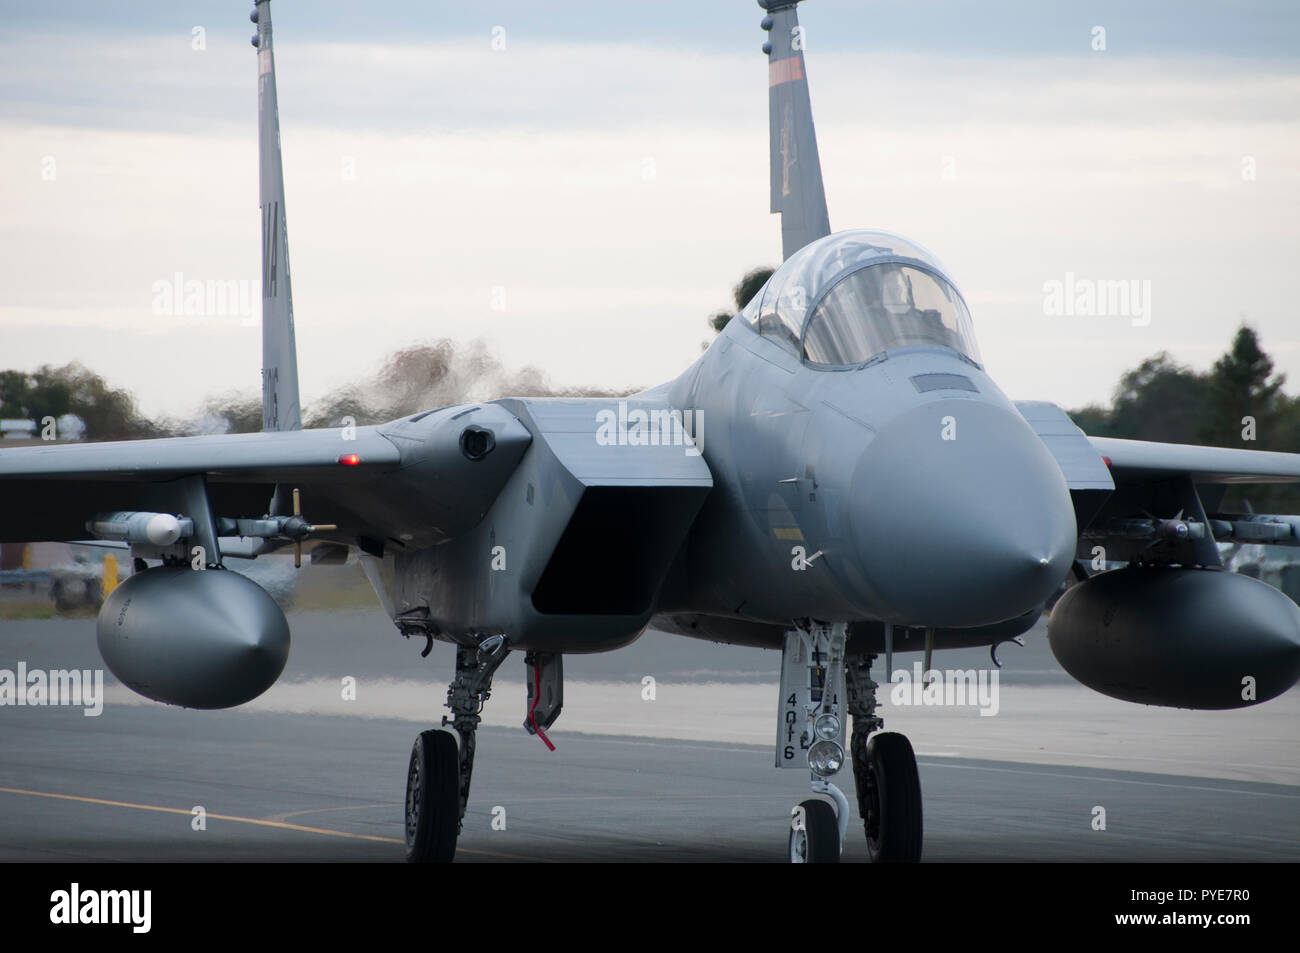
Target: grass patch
[16, 609]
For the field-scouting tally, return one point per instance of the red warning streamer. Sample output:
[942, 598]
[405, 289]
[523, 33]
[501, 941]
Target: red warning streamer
[532, 709]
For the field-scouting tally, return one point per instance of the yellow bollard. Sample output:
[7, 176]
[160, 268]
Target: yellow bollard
[110, 575]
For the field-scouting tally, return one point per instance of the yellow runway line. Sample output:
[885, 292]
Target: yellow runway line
[329, 832]
[220, 817]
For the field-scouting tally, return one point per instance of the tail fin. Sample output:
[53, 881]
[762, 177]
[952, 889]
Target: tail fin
[280, 407]
[797, 191]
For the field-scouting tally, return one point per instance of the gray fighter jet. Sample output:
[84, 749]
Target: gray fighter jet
[836, 476]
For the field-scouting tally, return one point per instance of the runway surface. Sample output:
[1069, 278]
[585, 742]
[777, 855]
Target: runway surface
[305, 775]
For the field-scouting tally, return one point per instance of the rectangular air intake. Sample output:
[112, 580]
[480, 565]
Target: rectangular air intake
[616, 549]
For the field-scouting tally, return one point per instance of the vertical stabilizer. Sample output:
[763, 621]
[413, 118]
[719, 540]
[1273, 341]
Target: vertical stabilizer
[280, 408]
[797, 191]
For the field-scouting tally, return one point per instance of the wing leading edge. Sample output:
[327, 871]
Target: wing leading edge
[1139, 460]
[250, 457]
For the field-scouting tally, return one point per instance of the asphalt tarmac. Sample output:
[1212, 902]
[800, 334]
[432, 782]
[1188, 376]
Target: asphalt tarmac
[307, 774]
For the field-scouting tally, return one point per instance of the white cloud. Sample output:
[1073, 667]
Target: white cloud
[525, 170]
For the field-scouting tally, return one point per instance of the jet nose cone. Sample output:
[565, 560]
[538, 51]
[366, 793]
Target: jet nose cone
[961, 516]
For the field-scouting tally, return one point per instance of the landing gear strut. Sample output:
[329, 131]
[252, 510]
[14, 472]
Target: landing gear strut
[884, 769]
[811, 735]
[442, 761]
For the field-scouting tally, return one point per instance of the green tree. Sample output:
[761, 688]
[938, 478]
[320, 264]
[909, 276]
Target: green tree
[1242, 385]
[1160, 400]
[15, 387]
[1164, 401]
[744, 290]
[1094, 420]
[750, 285]
[109, 413]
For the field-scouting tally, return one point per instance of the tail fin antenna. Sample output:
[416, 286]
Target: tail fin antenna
[797, 191]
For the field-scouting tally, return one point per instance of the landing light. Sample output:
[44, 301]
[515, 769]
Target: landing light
[826, 727]
[825, 758]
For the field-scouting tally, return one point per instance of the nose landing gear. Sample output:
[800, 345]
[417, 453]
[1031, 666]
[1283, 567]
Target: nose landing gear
[818, 684]
[811, 735]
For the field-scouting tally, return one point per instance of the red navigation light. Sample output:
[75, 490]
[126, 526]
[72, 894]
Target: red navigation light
[349, 459]
[1106, 460]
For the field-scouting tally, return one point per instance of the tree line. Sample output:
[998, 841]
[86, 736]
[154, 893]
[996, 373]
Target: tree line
[1238, 402]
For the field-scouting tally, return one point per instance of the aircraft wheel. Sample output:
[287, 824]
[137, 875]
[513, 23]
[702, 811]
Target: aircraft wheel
[893, 797]
[433, 798]
[817, 839]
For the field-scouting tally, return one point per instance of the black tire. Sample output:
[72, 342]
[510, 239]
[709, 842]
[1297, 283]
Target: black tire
[818, 842]
[893, 798]
[433, 798]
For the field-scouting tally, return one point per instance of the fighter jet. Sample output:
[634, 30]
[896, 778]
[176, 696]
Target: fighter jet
[837, 476]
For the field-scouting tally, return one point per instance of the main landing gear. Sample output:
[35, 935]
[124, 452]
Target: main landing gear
[437, 780]
[818, 682]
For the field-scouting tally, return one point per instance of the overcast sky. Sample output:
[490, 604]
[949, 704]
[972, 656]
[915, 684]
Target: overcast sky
[584, 198]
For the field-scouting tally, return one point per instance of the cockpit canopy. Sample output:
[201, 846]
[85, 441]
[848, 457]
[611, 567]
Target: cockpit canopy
[847, 297]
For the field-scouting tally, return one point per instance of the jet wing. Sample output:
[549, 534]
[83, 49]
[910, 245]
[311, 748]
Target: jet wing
[52, 490]
[251, 457]
[417, 480]
[1166, 499]
[1141, 460]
